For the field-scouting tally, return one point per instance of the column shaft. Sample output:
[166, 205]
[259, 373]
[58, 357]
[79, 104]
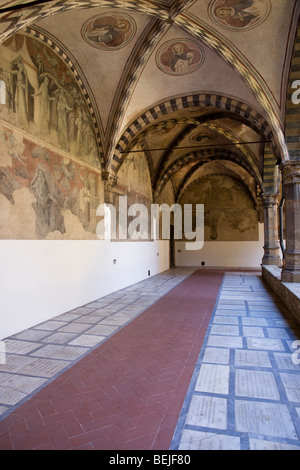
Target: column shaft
[271, 245]
[291, 179]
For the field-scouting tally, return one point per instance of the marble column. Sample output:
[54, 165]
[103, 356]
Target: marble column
[271, 232]
[291, 181]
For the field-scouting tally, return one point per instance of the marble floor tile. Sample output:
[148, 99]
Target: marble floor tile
[216, 355]
[199, 440]
[256, 384]
[208, 412]
[267, 419]
[213, 378]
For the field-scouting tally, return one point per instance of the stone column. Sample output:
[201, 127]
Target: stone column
[291, 183]
[271, 246]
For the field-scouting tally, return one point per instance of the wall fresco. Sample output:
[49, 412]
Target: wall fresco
[43, 98]
[44, 194]
[229, 209]
[134, 176]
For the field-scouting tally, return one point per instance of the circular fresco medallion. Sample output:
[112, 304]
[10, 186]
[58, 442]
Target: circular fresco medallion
[179, 57]
[239, 15]
[109, 32]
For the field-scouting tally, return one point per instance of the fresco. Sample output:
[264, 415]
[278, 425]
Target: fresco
[134, 176]
[43, 98]
[239, 14]
[109, 32]
[229, 210]
[45, 195]
[202, 137]
[134, 182]
[179, 57]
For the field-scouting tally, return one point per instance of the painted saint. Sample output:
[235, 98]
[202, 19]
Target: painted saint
[45, 106]
[41, 96]
[21, 94]
[239, 14]
[109, 32]
[179, 57]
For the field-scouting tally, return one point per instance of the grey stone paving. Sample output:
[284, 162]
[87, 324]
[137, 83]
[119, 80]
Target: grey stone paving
[38, 355]
[245, 391]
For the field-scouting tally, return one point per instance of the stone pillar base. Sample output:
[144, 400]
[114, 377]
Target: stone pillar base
[269, 260]
[290, 275]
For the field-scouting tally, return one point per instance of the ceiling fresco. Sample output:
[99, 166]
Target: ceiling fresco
[194, 86]
[239, 15]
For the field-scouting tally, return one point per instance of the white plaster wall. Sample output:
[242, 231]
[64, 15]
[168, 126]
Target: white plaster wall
[223, 254]
[42, 279]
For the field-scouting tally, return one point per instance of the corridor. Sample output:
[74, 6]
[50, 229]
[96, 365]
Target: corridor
[185, 360]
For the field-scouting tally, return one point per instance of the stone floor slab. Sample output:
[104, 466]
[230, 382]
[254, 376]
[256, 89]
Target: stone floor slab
[252, 358]
[259, 444]
[225, 341]
[208, 412]
[197, 440]
[20, 347]
[229, 330]
[291, 383]
[256, 384]
[264, 418]
[226, 320]
[216, 356]
[265, 344]
[213, 378]
[253, 331]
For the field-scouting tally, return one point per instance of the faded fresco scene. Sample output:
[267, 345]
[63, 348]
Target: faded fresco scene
[134, 182]
[43, 98]
[229, 209]
[44, 195]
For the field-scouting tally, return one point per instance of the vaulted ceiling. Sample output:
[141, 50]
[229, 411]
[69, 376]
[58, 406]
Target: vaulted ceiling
[199, 86]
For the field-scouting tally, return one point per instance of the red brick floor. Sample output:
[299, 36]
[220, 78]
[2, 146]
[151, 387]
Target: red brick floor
[127, 394]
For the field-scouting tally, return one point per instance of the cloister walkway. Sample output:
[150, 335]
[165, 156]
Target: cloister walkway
[188, 359]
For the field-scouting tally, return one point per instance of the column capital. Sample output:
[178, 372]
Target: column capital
[270, 199]
[110, 179]
[291, 171]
